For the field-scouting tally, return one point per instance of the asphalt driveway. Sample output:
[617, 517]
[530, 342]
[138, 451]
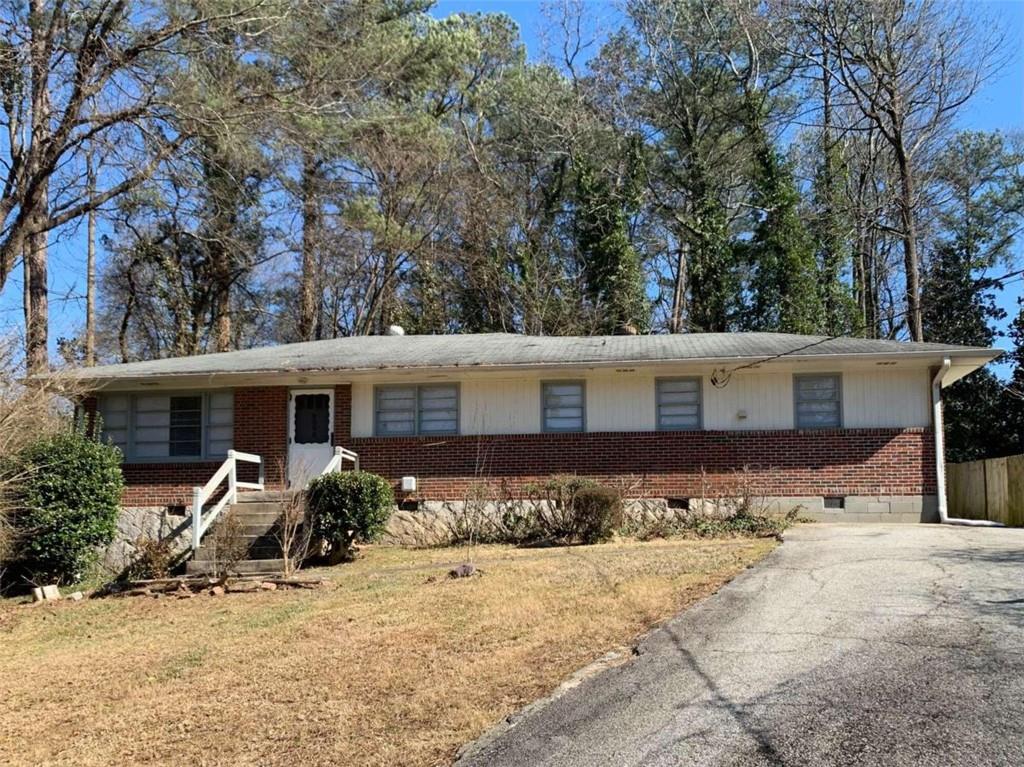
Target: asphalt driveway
[866, 645]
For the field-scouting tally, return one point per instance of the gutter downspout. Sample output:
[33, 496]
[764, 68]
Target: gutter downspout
[940, 455]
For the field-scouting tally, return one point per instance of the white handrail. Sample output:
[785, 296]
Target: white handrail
[200, 495]
[340, 456]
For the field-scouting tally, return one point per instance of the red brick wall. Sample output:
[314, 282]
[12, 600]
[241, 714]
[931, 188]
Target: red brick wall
[343, 415]
[782, 463]
[164, 484]
[261, 427]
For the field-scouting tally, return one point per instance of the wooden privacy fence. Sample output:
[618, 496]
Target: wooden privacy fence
[991, 489]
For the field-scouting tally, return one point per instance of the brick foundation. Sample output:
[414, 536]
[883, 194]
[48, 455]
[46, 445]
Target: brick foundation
[784, 463]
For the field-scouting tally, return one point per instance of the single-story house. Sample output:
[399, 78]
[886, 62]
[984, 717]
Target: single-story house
[841, 426]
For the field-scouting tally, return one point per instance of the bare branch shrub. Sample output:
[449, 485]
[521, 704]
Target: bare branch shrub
[554, 503]
[738, 506]
[155, 558]
[227, 543]
[294, 536]
[489, 512]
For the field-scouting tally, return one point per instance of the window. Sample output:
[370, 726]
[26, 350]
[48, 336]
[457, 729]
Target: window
[185, 436]
[438, 409]
[162, 427]
[679, 403]
[312, 419]
[427, 409]
[817, 401]
[115, 410]
[220, 422]
[564, 406]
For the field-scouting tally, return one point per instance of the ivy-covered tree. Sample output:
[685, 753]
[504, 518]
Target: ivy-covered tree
[784, 285]
[611, 265]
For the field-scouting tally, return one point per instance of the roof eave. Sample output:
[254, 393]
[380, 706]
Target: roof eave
[974, 357]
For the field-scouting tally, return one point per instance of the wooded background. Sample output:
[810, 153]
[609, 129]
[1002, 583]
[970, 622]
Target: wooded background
[273, 171]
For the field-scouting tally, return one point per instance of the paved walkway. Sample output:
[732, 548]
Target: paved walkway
[849, 645]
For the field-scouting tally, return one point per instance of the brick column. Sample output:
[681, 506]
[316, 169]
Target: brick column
[343, 415]
[261, 427]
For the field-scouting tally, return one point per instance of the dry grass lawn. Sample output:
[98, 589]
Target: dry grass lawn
[380, 667]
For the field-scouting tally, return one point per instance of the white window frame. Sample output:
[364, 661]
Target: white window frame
[797, 377]
[700, 403]
[417, 430]
[205, 455]
[543, 406]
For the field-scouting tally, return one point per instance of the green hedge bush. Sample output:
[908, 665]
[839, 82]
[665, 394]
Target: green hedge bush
[68, 503]
[345, 507]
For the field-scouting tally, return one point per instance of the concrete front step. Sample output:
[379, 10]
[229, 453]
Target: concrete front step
[260, 545]
[265, 496]
[254, 555]
[258, 507]
[246, 567]
[258, 529]
[258, 513]
[265, 519]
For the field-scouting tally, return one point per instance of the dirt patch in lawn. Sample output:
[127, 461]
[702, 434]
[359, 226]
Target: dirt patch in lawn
[384, 666]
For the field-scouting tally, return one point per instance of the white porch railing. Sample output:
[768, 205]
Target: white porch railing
[340, 456]
[200, 495]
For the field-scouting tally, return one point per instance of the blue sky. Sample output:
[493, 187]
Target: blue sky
[999, 106]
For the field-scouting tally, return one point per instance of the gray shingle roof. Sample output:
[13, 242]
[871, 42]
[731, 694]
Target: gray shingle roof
[364, 353]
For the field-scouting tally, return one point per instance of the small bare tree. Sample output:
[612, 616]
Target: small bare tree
[294, 536]
[908, 66]
[228, 544]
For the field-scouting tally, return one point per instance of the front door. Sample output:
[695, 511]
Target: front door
[310, 434]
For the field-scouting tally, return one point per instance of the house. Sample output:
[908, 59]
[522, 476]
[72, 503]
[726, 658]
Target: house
[842, 426]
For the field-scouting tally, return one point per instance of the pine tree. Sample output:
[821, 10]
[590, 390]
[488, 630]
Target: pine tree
[976, 231]
[1013, 392]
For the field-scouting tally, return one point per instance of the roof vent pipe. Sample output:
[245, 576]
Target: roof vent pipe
[396, 330]
[940, 459]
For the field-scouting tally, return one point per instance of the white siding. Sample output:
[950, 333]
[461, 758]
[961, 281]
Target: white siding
[502, 406]
[625, 400]
[886, 397]
[620, 402]
[765, 398]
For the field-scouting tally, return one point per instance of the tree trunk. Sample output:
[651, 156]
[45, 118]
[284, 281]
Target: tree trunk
[37, 358]
[90, 272]
[222, 336]
[679, 293]
[37, 202]
[910, 257]
[309, 307]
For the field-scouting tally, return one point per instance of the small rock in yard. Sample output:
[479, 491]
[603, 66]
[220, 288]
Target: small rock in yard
[76, 596]
[268, 586]
[462, 571]
[51, 593]
[217, 591]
